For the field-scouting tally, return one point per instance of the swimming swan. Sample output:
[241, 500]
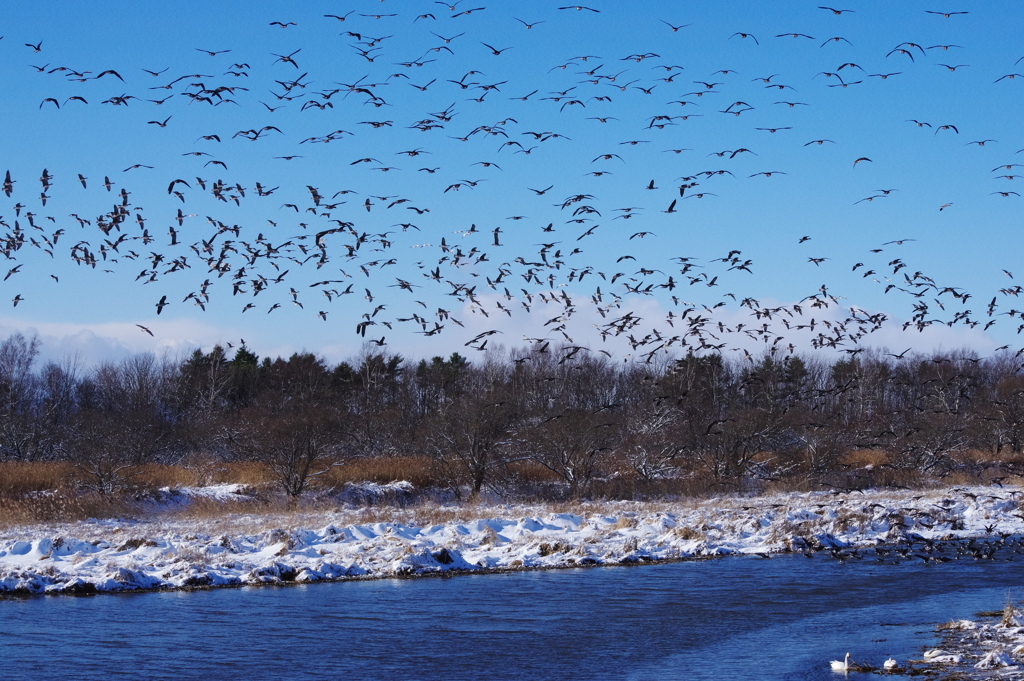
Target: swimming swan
[843, 666]
[890, 664]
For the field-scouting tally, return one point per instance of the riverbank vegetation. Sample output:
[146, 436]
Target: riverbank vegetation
[529, 423]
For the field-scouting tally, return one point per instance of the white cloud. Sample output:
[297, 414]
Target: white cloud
[94, 343]
[177, 337]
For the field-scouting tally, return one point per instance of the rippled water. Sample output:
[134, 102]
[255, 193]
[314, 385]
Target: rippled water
[736, 618]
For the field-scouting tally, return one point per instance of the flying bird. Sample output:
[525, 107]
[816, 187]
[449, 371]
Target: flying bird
[674, 28]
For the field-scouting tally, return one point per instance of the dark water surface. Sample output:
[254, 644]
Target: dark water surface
[735, 618]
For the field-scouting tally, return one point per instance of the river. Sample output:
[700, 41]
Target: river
[726, 619]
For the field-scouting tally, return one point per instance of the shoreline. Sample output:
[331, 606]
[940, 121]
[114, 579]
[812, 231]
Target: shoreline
[970, 649]
[281, 584]
[167, 554]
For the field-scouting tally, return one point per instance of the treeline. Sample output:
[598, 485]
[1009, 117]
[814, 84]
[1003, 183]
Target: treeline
[513, 418]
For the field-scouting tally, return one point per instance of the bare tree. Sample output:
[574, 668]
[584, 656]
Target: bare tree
[19, 434]
[297, 443]
[573, 445]
[17, 355]
[1007, 414]
[202, 380]
[467, 438]
[111, 447]
[651, 445]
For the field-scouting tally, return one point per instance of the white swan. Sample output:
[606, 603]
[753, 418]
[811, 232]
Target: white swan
[843, 666]
[890, 664]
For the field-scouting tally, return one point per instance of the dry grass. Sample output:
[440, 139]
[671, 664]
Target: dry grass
[267, 512]
[24, 478]
[53, 492]
[625, 523]
[250, 473]
[858, 458]
[20, 478]
[62, 506]
[273, 515]
[425, 515]
[414, 469]
[47, 492]
[687, 533]
[204, 508]
[43, 492]
[154, 476]
[528, 472]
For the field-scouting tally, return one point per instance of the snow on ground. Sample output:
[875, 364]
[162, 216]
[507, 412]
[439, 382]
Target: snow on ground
[976, 650]
[175, 552]
[182, 495]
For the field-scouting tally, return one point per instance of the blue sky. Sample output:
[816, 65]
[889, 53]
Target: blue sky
[598, 80]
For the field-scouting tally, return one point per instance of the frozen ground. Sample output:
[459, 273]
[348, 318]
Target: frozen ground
[381, 541]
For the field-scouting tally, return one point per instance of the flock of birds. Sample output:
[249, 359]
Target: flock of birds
[326, 244]
[914, 546]
[930, 551]
[909, 545]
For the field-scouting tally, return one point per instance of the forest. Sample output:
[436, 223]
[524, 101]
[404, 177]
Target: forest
[529, 423]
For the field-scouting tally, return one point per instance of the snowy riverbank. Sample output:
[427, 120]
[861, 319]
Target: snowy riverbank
[375, 542]
[973, 649]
